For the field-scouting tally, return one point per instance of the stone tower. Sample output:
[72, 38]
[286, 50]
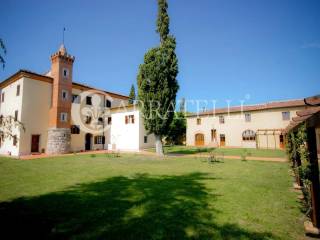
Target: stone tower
[59, 135]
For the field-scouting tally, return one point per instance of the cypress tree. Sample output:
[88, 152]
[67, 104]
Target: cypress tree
[132, 95]
[157, 83]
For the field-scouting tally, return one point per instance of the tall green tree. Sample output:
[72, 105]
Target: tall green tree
[157, 83]
[132, 95]
[3, 52]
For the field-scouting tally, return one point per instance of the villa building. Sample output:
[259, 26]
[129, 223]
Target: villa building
[61, 116]
[255, 126]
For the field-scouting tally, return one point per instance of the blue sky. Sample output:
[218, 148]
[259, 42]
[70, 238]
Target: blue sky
[257, 50]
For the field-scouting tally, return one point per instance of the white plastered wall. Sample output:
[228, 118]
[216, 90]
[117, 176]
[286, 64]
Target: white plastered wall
[7, 108]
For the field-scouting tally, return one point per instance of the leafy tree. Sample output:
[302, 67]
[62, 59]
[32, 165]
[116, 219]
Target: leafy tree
[132, 95]
[177, 131]
[9, 126]
[4, 50]
[157, 83]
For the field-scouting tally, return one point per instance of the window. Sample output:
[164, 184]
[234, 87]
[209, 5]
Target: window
[221, 119]
[100, 121]
[88, 119]
[247, 117]
[65, 73]
[14, 140]
[16, 115]
[285, 116]
[99, 140]
[75, 98]
[108, 104]
[198, 121]
[63, 117]
[64, 95]
[75, 129]
[2, 97]
[248, 135]
[222, 140]
[145, 139]
[129, 119]
[109, 120]
[89, 100]
[213, 134]
[18, 90]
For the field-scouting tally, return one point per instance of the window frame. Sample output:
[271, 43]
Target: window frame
[108, 103]
[145, 139]
[89, 100]
[75, 129]
[63, 117]
[109, 120]
[99, 139]
[249, 137]
[64, 92]
[286, 116]
[76, 98]
[129, 119]
[2, 96]
[247, 117]
[221, 119]
[65, 70]
[88, 119]
[14, 140]
[16, 113]
[18, 90]
[198, 121]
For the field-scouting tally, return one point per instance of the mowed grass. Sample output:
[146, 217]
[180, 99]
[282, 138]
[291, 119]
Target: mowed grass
[278, 153]
[144, 197]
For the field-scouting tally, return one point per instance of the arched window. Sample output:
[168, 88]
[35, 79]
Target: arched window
[248, 135]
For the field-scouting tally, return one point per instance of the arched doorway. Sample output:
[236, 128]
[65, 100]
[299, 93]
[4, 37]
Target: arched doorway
[88, 140]
[199, 139]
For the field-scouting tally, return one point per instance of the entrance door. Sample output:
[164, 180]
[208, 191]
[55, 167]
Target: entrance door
[222, 140]
[281, 141]
[88, 138]
[35, 143]
[199, 139]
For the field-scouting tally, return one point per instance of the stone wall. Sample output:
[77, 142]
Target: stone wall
[59, 140]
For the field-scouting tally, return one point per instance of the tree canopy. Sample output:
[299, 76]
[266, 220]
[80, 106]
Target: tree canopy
[157, 83]
[132, 94]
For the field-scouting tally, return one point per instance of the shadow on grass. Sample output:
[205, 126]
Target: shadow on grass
[141, 207]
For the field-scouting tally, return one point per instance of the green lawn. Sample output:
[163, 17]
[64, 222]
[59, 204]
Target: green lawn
[226, 151]
[138, 197]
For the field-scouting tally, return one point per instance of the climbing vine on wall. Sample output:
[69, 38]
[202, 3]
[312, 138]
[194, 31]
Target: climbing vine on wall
[298, 154]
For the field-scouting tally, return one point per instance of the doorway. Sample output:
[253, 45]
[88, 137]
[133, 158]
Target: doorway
[281, 141]
[199, 139]
[222, 140]
[35, 139]
[88, 138]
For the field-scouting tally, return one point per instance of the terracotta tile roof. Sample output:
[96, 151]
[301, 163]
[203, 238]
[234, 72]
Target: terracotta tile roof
[302, 116]
[313, 101]
[257, 107]
[26, 73]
